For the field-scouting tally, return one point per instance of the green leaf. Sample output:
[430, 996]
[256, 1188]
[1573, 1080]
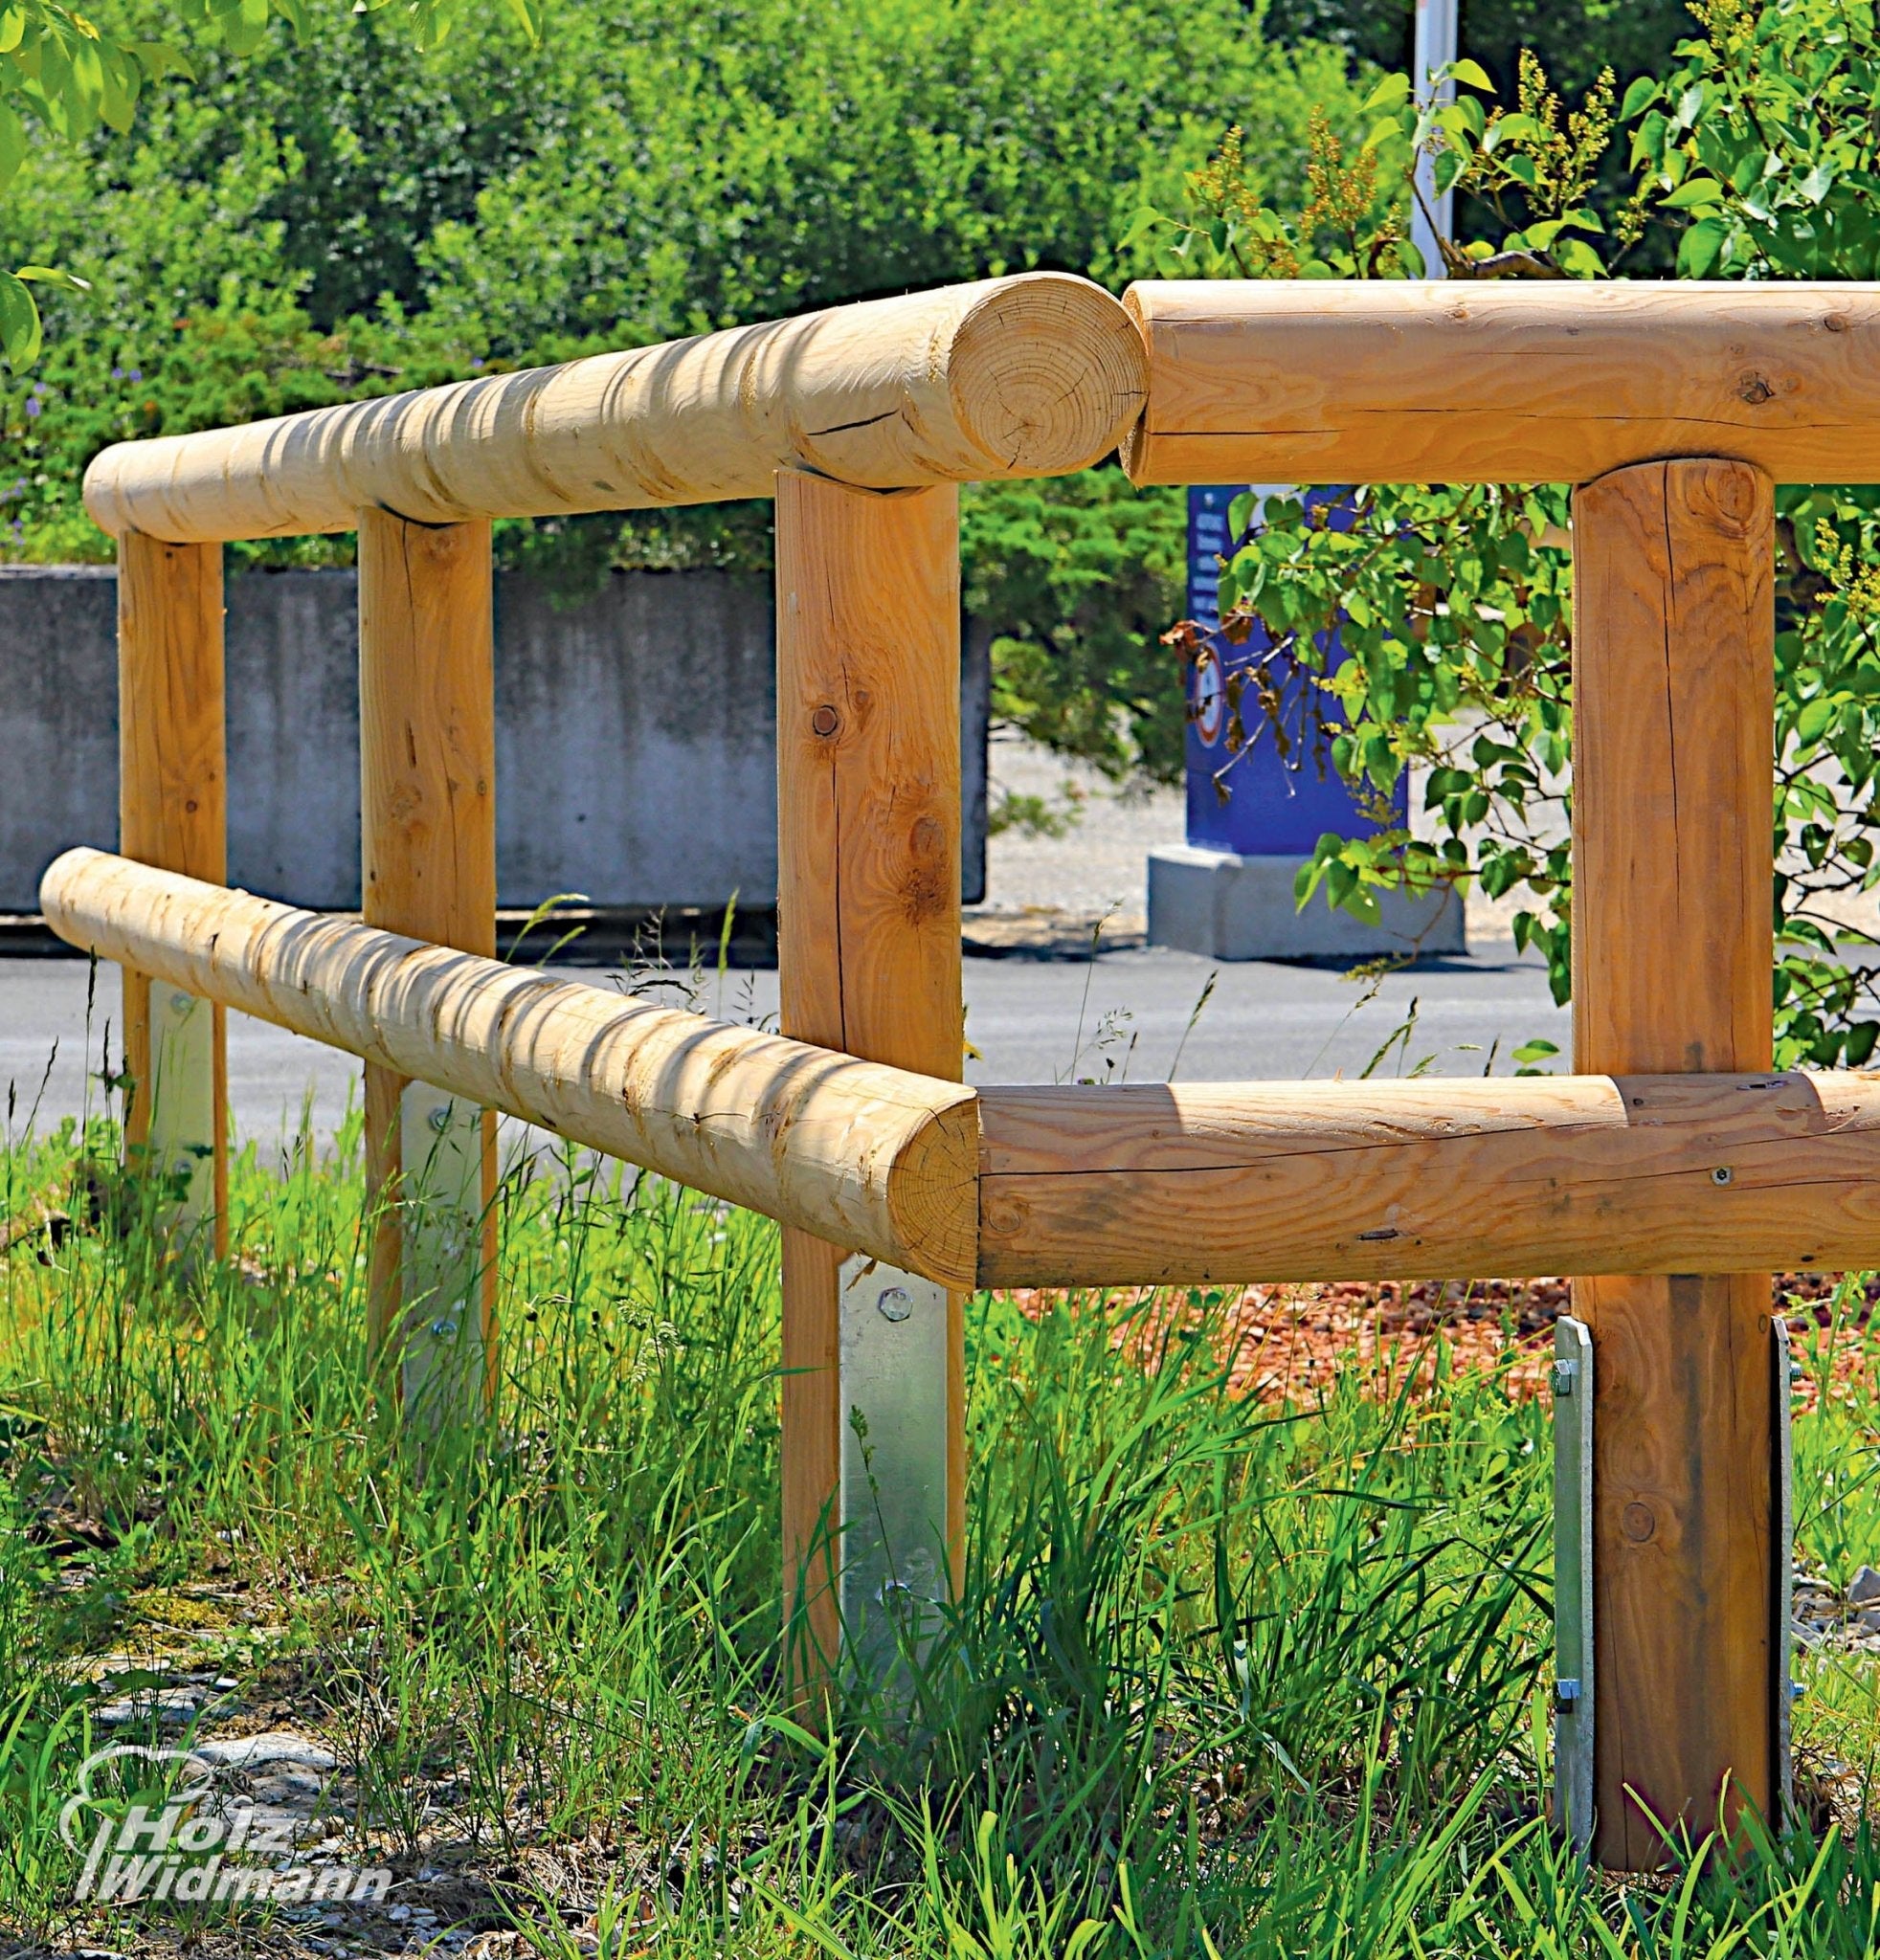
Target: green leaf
[1537, 1050]
[1516, 126]
[1811, 724]
[1640, 97]
[12, 143]
[1391, 93]
[1472, 72]
[19, 322]
[52, 276]
[1696, 192]
[1699, 247]
[1576, 257]
[158, 58]
[1146, 220]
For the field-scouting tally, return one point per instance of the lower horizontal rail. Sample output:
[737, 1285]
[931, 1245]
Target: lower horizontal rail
[877, 1159]
[1479, 1177]
[1482, 1177]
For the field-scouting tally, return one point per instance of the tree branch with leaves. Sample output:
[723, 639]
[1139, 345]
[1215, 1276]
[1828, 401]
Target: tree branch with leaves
[62, 76]
[1433, 633]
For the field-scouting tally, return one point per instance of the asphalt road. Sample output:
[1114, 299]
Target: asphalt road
[1128, 1016]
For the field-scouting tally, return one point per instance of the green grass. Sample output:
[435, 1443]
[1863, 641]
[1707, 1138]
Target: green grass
[1223, 1679]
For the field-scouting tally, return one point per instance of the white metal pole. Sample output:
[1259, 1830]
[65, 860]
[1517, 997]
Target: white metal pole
[1435, 47]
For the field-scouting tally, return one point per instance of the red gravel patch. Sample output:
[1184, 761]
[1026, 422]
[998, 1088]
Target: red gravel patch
[1287, 1343]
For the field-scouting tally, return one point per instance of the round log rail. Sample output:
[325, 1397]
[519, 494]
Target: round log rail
[881, 1158]
[1034, 375]
[1186, 1185]
[1491, 1177]
[1387, 381]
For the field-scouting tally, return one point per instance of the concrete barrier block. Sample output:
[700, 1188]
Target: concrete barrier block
[1229, 908]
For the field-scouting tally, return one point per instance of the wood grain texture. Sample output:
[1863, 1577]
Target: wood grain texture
[1036, 375]
[876, 1158]
[1391, 381]
[1491, 1177]
[1673, 878]
[868, 926]
[427, 811]
[173, 776]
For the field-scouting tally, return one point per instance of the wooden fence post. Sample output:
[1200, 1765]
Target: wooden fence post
[1673, 874]
[427, 749]
[869, 901]
[172, 806]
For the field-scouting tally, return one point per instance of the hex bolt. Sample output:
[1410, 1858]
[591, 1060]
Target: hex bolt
[181, 1003]
[1566, 1693]
[1722, 1174]
[440, 1117]
[442, 1330]
[895, 1302]
[1565, 1375]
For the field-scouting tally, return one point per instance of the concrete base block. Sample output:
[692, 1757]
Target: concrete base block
[1229, 907]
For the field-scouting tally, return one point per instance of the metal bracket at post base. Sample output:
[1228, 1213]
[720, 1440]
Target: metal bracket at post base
[1573, 1581]
[180, 1143]
[894, 1387]
[441, 1358]
[1785, 1371]
[1572, 1575]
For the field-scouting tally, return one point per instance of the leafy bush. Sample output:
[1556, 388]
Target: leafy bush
[64, 74]
[646, 171]
[347, 214]
[1080, 577]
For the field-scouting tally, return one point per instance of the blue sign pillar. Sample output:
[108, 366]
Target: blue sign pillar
[1243, 795]
[1255, 816]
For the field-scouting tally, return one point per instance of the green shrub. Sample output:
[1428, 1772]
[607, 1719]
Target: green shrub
[347, 215]
[1079, 578]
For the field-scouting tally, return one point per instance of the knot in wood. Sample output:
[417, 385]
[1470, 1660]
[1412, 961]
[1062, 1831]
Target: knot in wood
[1754, 391]
[825, 721]
[1638, 1523]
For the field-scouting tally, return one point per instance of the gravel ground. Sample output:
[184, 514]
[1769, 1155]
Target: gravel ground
[1100, 866]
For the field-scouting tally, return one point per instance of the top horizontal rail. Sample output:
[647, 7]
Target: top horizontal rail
[1198, 381]
[1502, 382]
[1034, 375]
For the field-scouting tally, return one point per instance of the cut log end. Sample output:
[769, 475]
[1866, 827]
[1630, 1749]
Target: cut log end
[934, 1194]
[1047, 374]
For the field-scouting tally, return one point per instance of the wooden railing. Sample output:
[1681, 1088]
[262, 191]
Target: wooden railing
[1673, 1156]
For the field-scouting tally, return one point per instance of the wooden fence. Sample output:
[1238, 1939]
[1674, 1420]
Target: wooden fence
[1675, 1156]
